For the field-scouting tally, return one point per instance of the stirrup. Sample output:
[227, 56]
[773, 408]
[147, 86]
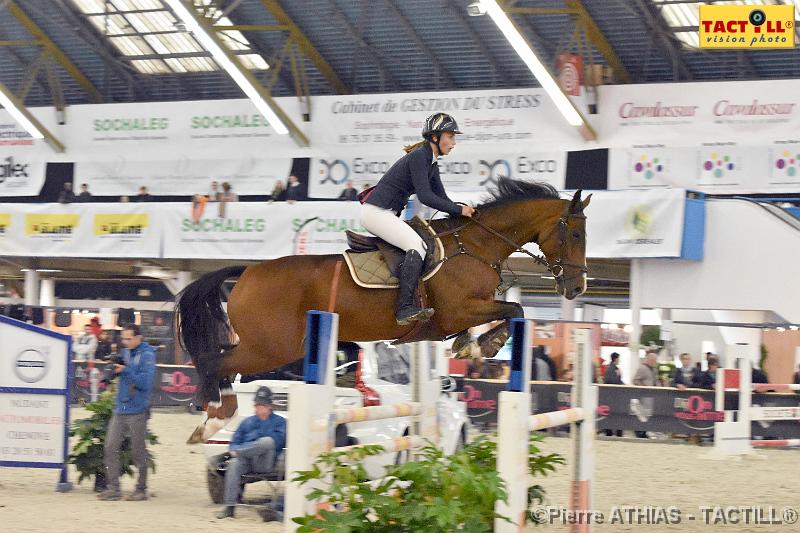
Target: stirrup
[421, 314]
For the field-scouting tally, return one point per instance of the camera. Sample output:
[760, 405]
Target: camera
[109, 372]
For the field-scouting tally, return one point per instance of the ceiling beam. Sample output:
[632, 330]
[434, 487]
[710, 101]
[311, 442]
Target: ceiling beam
[55, 51]
[661, 37]
[305, 44]
[205, 25]
[441, 71]
[599, 40]
[457, 9]
[375, 54]
[113, 60]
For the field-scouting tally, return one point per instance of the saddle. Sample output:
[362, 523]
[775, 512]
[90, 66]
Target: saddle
[375, 264]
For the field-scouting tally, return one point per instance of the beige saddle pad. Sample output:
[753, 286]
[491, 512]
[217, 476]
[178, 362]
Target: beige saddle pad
[369, 269]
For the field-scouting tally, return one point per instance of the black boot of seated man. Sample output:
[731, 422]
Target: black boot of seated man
[407, 309]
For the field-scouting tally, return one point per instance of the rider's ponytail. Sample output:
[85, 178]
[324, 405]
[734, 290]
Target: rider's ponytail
[415, 145]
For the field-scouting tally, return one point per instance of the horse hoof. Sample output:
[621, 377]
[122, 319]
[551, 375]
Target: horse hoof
[197, 435]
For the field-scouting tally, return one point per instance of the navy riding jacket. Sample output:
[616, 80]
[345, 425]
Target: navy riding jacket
[414, 173]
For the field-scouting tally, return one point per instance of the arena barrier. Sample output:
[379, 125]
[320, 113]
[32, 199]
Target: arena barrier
[515, 424]
[733, 437]
[313, 420]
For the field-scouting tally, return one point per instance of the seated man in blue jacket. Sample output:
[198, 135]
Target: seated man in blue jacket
[253, 449]
[136, 369]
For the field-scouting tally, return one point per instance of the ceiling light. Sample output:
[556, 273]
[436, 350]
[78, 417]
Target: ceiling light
[221, 56]
[9, 102]
[543, 76]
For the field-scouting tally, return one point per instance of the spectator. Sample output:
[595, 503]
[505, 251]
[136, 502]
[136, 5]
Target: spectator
[278, 193]
[613, 375]
[478, 369]
[85, 346]
[104, 347]
[687, 375]
[253, 448]
[796, 377]
[543, 368]
[213, 193]
[349, 194]
[646, 376]
[131, 411]
[67, 195]
[198, 207]
[758, 376]
[124, 199]
[143, 195]
[84, 195]
[293, 190]
[708, 378]
[225, 197]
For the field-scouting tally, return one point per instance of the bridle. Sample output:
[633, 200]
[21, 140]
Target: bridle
[556, 268]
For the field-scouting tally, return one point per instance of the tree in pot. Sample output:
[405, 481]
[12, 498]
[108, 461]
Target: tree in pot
[87, 453]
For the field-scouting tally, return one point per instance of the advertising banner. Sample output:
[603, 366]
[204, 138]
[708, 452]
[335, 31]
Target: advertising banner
[23, 159]
[635, 223]
[80, 230]
[464, 170]
[669, 114]
[33, 395]
[179, 147]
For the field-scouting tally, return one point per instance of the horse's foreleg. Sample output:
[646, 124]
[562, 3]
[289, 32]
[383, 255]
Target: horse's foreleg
[493, 340]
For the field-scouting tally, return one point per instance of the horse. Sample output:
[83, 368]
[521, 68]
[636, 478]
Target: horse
[265, 322]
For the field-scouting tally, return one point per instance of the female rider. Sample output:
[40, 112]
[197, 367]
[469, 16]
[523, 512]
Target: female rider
[417, 172]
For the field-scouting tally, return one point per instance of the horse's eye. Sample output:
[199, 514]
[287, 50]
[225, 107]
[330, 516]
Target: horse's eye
[576, 235]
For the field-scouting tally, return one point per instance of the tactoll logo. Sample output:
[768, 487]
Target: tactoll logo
[12, 169]
[746, 26]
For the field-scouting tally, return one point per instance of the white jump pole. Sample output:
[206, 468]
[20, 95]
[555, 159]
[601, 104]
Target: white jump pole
[310, 428]
[515, 423]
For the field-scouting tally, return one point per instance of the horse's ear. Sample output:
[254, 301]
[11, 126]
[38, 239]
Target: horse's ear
[575, 204]
[586, 202]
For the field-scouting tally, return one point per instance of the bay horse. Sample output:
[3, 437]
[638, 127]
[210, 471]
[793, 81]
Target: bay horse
[268, 304]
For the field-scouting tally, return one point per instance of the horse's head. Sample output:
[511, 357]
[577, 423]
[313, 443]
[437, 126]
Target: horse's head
[565, 248]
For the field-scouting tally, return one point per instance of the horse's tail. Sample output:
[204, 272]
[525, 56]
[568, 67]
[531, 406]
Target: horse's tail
[203, 327]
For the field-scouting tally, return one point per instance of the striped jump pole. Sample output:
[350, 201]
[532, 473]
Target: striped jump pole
[515, 424]
[776, 387]
[785, 443]
[312, 420]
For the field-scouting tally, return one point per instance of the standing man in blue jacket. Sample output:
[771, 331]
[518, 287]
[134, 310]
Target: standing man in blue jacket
[136, 371]
[254, 447]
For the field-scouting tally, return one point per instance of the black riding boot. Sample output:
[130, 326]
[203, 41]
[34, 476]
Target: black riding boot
[407, 310]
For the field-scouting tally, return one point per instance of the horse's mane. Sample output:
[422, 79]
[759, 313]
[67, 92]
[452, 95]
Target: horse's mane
[505, 192]
[510, 190]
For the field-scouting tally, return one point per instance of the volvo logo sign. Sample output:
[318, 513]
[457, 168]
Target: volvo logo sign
[30, 365]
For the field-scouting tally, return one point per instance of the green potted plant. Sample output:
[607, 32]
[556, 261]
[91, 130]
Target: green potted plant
[87, 453]
[434, 493]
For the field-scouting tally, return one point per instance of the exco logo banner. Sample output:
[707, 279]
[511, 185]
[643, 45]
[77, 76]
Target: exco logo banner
[51, 225]
[339, 171]
[746, 26]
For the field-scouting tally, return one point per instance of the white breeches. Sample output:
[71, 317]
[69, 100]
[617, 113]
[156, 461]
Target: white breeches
[384, 224]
